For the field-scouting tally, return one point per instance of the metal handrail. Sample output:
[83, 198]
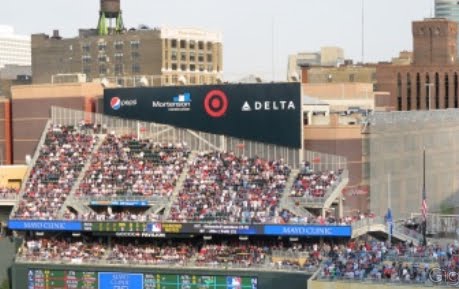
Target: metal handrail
[187, 265]
[319, 200]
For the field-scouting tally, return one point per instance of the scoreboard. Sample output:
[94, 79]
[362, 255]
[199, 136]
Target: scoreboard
[68, 279]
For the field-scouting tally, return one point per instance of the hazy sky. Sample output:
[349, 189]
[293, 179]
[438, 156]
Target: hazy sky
[247, 25]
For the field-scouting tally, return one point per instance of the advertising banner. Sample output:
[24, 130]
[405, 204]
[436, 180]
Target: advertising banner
[267, 113]
[308, 230]
[33, 225]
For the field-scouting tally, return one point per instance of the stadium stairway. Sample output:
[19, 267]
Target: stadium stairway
[378, 225]
[286, 201]
[80, 206]
[179, 184]
[324, 203]
[31, 165]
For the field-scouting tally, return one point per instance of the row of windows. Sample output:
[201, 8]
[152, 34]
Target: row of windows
[432, 89]
[119, 69]
[135, 55]
[191, 67]
[118, 45]
[191, 56]
[192, 44]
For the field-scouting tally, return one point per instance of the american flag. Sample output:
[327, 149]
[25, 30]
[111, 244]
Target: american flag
[424, 208]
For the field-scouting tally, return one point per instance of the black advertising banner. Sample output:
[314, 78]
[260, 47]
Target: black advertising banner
[267, 113]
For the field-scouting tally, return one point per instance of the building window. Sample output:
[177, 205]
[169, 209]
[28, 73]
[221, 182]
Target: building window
[119, 69]
[209, 57]
[201, 57]
[118, 57]
[102, 46]
[192, 44]
[456, 100]
[399, 92]
[209, 46]
[192, 67]
[174, 55]
[102, 70]
[210, 68]
[86, 48]
[437, 91]
[408, 92]
[418, 91]
[174, 66]
[351, 77]
[201, 67]
[86, 59]
[201, 45]
[102, 58]
[183, 56]
[135, 68]
[87, 70]
[183, 67]
[119, 45]
[192, 56]
[182, 44]
[446, 91]
[192, 79]
[135, 55]
[135, 44]
[174, 43]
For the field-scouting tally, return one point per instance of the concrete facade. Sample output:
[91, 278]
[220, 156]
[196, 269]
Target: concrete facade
[31, 106]
[147, 56]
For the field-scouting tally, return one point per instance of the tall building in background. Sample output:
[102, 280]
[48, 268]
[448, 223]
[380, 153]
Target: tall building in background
[431, 80]
[14, 49]
[328, 56]
[129, 57]
[448, 9]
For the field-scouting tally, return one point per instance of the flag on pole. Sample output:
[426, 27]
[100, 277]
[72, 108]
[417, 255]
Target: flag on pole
[389, 222]
[424, 208]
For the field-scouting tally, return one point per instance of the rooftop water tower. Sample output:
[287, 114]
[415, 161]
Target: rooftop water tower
[110, 10]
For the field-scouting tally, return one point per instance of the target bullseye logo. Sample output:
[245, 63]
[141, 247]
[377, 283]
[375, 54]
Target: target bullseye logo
[216, 103]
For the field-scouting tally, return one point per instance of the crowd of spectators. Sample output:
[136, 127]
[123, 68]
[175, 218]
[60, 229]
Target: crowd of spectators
[153, 253]
[314, 184]
[376, 260]
[241, 254]
[8, 193]
[62, 250]
[60, 161]
[221, 187]
[229, 252]
[124, 166]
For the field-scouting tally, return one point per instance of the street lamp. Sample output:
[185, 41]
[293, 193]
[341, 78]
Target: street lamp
[430, 85]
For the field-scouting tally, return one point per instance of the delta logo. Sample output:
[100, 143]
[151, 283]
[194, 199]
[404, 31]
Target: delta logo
[116, 103]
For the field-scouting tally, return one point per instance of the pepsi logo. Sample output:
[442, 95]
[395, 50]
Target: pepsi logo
[115, 103]
[216, 103]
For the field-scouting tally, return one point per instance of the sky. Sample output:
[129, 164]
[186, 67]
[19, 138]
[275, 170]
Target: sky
[258, 35]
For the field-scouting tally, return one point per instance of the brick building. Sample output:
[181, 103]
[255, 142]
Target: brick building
[430, 81]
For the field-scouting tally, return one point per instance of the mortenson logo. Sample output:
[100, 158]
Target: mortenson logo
[268, 105]
[116, 103]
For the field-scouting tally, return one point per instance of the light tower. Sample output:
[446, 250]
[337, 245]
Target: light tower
[109, 10]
